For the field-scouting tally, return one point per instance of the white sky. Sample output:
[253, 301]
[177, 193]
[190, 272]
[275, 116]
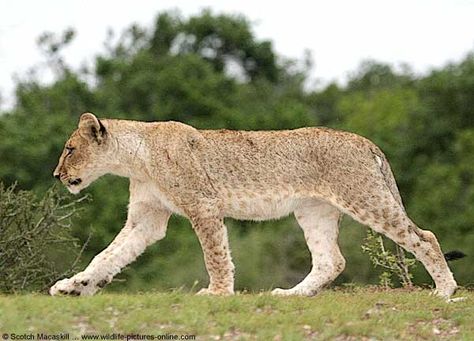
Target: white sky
[422, 33]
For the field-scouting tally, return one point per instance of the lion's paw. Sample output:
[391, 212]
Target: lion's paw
[296, 291]
[78, 285]
[203, 292]
[209, 292]
[65, 287]
[282, 292]
[456, 299]
[445, 291]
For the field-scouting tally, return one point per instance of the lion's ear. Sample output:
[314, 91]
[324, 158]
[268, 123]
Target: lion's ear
[92, 126]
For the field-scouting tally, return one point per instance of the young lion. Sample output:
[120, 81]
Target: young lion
[207, 175]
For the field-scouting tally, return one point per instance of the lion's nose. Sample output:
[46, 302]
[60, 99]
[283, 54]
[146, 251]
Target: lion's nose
[57, 175]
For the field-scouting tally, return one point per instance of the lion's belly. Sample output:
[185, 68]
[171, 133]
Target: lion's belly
[259, 206]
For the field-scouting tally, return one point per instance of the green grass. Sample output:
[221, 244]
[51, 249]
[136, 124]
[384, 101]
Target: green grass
[348, 314]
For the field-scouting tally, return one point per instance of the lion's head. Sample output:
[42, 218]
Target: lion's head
[82, 160]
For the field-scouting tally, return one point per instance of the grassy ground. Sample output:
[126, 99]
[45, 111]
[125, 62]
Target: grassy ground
[349, 314]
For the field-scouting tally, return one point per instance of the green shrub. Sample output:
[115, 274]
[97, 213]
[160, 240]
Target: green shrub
[35, 235]
[393, 264]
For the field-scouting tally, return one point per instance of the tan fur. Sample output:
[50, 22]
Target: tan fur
[206, 175]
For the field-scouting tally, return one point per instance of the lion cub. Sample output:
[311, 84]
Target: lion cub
[206, 175]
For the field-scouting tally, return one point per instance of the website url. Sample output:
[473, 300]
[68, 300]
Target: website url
[128, 337]
[110, 336]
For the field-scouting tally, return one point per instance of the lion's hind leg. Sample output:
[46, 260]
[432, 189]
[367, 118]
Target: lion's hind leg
[384, 213]
[320, 224]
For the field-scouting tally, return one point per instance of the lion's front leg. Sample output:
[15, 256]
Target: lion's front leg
[212, 234]
[146, 224]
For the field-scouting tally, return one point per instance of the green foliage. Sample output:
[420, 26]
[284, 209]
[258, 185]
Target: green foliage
[393, 265]
[211, 71]
[34, 235]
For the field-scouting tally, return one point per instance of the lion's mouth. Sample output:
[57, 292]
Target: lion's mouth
[75, 182]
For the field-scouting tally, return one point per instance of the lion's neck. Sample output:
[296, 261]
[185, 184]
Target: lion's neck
[129, 150]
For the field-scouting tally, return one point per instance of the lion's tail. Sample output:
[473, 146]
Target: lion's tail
[454, 255]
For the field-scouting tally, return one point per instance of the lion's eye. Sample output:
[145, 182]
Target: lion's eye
[70, 150]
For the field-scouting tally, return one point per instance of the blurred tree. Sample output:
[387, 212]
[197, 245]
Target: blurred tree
[372, 75]
[224, 39]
